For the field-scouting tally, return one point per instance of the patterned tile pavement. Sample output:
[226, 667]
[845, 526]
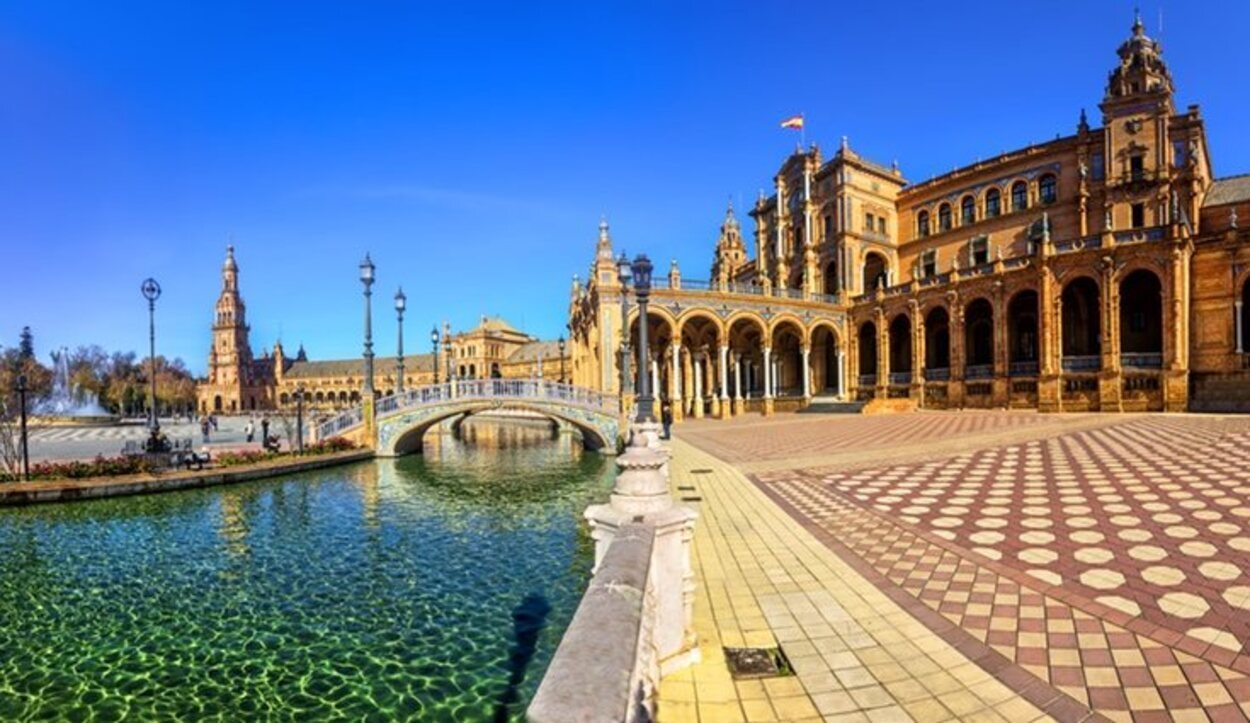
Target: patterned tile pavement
[1110, 563]
[765, 581]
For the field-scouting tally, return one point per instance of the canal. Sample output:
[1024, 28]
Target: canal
[433, 587]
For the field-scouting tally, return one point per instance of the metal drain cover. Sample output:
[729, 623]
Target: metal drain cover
[749, 663]
[700, 471]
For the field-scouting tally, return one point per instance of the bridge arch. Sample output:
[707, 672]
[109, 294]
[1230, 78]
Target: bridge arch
[402, 433]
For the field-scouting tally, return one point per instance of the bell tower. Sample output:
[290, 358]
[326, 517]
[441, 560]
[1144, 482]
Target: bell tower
[1136, 110]
[230, 360]
[731, 252]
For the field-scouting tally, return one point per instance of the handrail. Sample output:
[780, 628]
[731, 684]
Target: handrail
[468, 389]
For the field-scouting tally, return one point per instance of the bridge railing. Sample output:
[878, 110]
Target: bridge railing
[523, 389]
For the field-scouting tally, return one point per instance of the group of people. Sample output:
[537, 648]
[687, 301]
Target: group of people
[208, 424]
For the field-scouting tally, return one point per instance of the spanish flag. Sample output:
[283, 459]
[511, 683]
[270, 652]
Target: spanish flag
[794, 121]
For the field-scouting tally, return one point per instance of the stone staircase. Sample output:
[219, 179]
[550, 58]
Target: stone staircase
[1226, 392]
[832, 405]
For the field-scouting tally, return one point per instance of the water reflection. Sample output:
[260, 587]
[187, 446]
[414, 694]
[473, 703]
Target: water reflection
[432, 587]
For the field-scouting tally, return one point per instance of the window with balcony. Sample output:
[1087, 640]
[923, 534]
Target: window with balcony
[1096, 167]
[828, 226]
[1019, 196]
[922, 223]
[979, 250]
[1047, 189]
[993, 203]
[1139, 215]
[1137, 168]
[967, 211]
[944, 217]
[1178, 153]
[928, 263]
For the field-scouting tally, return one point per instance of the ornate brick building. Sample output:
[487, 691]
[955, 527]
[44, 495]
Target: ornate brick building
[1104, 270]
[239, 382]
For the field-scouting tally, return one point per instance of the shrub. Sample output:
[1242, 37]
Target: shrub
[330, 446]
[101, 466]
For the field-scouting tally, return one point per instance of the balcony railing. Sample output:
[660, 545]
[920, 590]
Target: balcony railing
[1022, 369]
[898, 378]
[1140, 235]
[1141, 360]
[736, 288]
[937, 374]
[867, 380]
[979, 371]
[1089, 363]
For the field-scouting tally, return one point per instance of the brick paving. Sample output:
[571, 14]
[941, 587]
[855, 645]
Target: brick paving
[766, 581]
[1110, 564]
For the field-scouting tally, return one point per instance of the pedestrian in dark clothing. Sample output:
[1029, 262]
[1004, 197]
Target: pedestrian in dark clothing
[666, 418]
[204, 428]
[264, 428]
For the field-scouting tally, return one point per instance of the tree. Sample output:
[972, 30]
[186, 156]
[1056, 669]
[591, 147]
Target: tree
[26, 347]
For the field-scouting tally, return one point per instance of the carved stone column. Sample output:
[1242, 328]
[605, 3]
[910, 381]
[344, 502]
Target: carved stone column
[917, 353]
[958, 345]
[1050, 327]
[697, 392]
[725, 410]
[999, 390]
[1109, 379]
[883, 354]
[807, 374]
[674, 379]
[768, 381]
[1176, 370]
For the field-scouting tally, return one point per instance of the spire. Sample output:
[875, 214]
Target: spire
[604, 249]
[1082, 125]
[1141, 70]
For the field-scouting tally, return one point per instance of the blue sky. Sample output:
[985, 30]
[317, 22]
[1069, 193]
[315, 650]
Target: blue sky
[471, 147]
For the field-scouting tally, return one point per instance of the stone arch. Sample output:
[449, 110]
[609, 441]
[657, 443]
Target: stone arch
[401, 434]
[876, 271]
[937, 341]
[900, 348]
[786, 337]
[1141, 319]
[979, 333]
[826, 356]
[1081, 324]
[696, 314]
[787, 319]
[217, 405]
[869, 365]
[1023, 329]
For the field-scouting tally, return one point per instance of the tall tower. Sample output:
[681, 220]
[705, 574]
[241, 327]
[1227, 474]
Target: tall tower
[230, 361]
[731, 252]
[1141, 145]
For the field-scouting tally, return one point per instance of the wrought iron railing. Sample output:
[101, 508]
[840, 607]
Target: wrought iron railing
[1022, 369]
[1087, 363]
[867, 380]
[900, 377]
[695, 284]
[937, 374]
[754, 289]
[979, 371]
[1141, 360]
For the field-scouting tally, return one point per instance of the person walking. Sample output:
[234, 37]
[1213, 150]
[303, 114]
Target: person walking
[204, 428]
[249, 429]
[264, 429]
[666, 418]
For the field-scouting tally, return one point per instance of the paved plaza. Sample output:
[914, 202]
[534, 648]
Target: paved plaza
[65, 443]
[1091, 565]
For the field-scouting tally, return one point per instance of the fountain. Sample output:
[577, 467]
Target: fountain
[66, 405]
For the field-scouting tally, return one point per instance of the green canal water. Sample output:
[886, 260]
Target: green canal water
[426, 588]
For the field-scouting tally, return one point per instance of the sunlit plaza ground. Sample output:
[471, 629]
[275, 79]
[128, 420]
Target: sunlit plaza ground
[974, 565]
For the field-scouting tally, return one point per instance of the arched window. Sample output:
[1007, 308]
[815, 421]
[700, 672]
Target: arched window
[1019, 196]
[993, 203]
[876, 272]
[922, 223]
[1046, 189]
[967, 211]
[944, 217]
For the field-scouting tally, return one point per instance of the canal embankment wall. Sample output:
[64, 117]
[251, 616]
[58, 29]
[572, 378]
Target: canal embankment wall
[607, 667]
[15, 494]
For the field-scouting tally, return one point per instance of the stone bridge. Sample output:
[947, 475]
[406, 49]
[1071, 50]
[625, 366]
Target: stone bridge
[402, 419]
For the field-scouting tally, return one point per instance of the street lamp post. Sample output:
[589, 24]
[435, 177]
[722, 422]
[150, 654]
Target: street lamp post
[562, 345]
[299, 418]
[366, 277]
[642, 290]
[152, 291]
[401, 302]
[21, 394]
[434, 344]
[626, 273]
